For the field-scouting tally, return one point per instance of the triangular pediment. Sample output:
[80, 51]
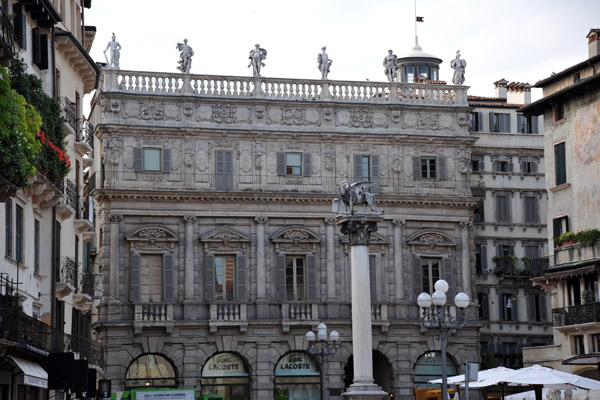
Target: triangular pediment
[295, 234]
[224, 234]
[152, 233]
[431, 237]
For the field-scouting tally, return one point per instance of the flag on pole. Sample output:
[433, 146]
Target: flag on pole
[420, 19]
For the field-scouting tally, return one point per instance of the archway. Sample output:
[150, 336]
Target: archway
[382, 371]
[428, 367]
[227, 375]
[297, 376]
[150, 371]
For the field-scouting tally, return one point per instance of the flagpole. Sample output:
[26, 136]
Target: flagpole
[416, 40]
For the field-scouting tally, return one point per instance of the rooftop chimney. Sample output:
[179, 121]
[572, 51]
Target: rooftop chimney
[593, 42]
[501, 88]
[518, 93]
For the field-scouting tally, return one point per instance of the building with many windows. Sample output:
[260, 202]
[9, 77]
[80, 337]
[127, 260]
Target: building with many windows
[571, 112]
[46, 288]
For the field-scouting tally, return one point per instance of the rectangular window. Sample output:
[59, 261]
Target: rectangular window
[224, 170]
[499, 122]
[477, 165]
[428, 168]
[152, 159]
[509, 307]
[294, 278]
[19, 234]
[36, 247]
[528, 167]
[578, 345]
[409, 74]
[530, 210]
[536, 304]
[504, 250]
[479, 215]
[558, 112]
[8, 227]
[502, 166]
[482, 299]
[503, 209]
[480, 257]
[476, 122]
[527, 124]
[559, 226]
[366, 169]
[532, 252]
[596, 342]
[431, 269]
[560, 164]
[224, 278]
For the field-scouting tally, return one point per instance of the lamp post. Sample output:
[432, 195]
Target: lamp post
[322, 349]
[439, 317]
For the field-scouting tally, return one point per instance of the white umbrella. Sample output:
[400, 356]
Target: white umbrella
[486, 373]
[529, 395]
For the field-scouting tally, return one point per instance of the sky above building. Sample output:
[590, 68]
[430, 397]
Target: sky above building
[518, 40]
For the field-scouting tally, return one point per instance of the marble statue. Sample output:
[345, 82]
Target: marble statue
[185, 53]
[115, 52]
[324, 62]
[355, 193]
[257, 55]
[390, 63]
[459, 69]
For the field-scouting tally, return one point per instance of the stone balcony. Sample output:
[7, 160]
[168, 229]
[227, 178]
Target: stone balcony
[576, 252]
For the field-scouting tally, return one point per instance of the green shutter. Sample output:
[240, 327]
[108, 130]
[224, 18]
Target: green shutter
[306, 164]
[240, 277]
[168, 278]
[442, 167]
[281, 277]
[560, 167]
[358, 176]
[138, 159]
[311, 278]
[417, 167]
[166, 160]
[375, 173]
[209, 277]
[373, 278]
[281, 163]
[135, 277]
[417, 271]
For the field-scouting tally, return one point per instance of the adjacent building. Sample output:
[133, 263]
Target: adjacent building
[571, 112]
[46, 288]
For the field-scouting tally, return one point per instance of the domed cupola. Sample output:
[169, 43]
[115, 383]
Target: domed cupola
[417, 66]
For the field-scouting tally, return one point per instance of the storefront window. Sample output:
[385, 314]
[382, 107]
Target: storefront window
[150, 370]
[297, 377]
[226, 375]
[429, 367]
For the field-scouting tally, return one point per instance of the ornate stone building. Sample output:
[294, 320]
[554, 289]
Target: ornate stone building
[215, 234]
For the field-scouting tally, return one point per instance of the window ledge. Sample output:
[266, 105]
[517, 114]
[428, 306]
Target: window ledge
[560, 121]
[560, 187]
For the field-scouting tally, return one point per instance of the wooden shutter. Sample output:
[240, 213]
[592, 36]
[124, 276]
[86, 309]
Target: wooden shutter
[166, 160]
[501, 306]
[168, 278]
[483, 255]
[358, 176]
[442, 167]
[375, 173]
[373, 278]
[43, 64]
[281, 278]
[503, 123]
[534, 167]
[499, 208]
[19, 233]
[417, 167]
[534, 124]
[481, 165]
[280, 163]
[224, 169]
[485, 306]
[306, 164]
[543, 316]
[8, 226]
[510, 166]
[496, 166]
[523, 167]
[20, 25]
[311, 278]
[240, 277]
[493, 126]
[448, 274]
[138, 159]
[35, 42]
[417, 271]
[531, 314]
[514, 310]
[209, 277]
[479, 121]
[560, 167]
[135, 277]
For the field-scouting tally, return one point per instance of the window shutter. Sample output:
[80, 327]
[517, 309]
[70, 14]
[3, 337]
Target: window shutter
[375, 173]
[35, 42]
[493, 128]
[166, 160]
[556, 227]
[228, 170]
[481, 165]
[138, 159]
[306, 164]
[485, 306]
[499, 209]
[514, 310]
[240, 277]
[311, 278]
[281, 278]
[510, 166]
[534, 167]
[19, 234]
[483, 256]
[534, 124]
[531, 314]
[449, 276]
[43, 64]
[8, 226]
[543, 316]
[280, 163]
[135, 277]
[560, 164]
[209, 277]
[373, 278]
[417, 167]
[496, 166]
[417, 271]
[534, 210]
[358, 176]
[523, 167]
[442, 167]
[20, 25]
[502, 306]
[479, 121]
[168, 278]
[507, 209]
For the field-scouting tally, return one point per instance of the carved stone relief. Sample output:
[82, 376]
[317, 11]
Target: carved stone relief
[295, 239]
[152, 239]
[224, 239]
[293, 116]
[428, 121]
[223, 113]
[151, 110]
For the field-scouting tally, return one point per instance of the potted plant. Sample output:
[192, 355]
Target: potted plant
[566, 239]
[588, 237]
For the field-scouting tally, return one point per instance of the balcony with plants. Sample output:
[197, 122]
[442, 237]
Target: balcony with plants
[571, 247]
[513, 267]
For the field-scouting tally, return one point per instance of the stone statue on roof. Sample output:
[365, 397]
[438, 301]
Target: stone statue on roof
[185, 55]
[115, 52]
[324, 62]
[257, 55]
[390, 64]
[459, 69]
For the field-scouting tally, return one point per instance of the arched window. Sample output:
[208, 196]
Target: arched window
[150, 370]
[429, 367]
[297, 376]
[226, 374]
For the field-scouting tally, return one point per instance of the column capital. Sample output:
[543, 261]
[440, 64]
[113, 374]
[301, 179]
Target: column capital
[189, 219]
[399, 222]
[465, 224]
[330, 221]
[358, 230]
[261, 220]
[116, 218]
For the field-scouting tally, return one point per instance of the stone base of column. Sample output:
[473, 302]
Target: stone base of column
[364, 391]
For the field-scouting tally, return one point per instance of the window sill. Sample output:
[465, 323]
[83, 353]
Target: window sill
[560, 121]
[560, 187]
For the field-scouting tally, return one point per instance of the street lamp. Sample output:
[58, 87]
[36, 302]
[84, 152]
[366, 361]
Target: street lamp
[322, 349]
[439, 317]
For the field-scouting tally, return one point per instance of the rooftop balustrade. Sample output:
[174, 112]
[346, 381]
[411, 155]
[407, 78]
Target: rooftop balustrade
[162, 83]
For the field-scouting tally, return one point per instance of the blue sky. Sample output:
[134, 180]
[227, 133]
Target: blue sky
[519, 40]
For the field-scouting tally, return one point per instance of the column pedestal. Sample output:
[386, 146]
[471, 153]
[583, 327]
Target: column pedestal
[359, 227]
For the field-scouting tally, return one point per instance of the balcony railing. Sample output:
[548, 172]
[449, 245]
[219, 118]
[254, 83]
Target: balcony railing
[7, 33]
[574, 315]
[299, 311]
[153, 312]
[68, 271]
[70, 195]
[86, 132]
[86, 283]
[212, 86]
[69, 113]
[131, 180]
[527, 268]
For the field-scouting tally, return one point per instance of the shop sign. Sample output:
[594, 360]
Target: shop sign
[223, 365]
[176, 394]
[297, 364]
